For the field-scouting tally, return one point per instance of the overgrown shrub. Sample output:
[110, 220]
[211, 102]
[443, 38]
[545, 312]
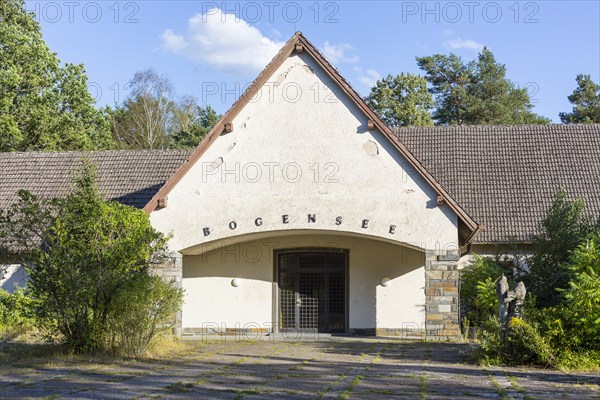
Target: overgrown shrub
[478, 299]
[580, 312]
[17, 314]
[565, 226]
[85, 256]
[524, 344]
[141, 311]
[562, 328]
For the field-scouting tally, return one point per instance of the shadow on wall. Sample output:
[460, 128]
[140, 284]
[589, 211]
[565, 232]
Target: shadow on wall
[371, 302]
[254, 259]
[12, 277]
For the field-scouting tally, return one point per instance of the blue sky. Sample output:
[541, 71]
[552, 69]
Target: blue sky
[212, 49]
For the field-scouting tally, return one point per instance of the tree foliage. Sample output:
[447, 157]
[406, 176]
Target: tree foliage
[478, 300]
[43, 105]
[402, 100]
[581, 309]
[586, 102]
[561, 323]
[152, 117]
[477, 92]
[450, 81]
[82, 255]
[562, 230]
[146, 117]
[193, 122]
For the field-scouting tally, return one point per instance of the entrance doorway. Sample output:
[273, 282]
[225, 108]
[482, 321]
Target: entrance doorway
[312, 290]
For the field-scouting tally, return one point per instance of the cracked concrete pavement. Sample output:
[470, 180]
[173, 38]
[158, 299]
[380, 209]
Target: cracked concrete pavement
[333, 368]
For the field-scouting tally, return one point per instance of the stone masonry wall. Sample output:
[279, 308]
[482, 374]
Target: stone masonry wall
[441, 295]
[171, 270]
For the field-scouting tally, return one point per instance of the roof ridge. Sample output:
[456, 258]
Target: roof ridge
[75, 152]
[480, 126]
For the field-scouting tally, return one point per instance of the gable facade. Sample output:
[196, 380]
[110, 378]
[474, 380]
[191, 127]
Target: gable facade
[302, 212]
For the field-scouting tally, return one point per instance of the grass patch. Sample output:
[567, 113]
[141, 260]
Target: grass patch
[179, 387]
[241, 393]
[515, 384]
[346, 393]
[501, 391]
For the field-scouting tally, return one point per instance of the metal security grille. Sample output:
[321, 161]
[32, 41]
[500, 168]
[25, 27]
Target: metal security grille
[311, 295]
[287, 299]
[337, 302]
[312, 291]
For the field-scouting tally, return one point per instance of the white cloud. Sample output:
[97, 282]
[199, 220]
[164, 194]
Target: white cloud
[367, 77]
[336, 53]
[223, 42]
[468, 44]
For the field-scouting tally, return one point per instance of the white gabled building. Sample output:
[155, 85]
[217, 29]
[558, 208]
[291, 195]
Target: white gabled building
[302, 211]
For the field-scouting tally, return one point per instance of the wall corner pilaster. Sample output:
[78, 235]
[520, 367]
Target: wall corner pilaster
[170, 270]
[441, 295]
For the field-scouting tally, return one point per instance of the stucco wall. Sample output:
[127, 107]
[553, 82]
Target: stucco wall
[12, 277]
[211, 300]
[299, 148]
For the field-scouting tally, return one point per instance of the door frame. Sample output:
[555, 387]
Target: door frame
[275, 292]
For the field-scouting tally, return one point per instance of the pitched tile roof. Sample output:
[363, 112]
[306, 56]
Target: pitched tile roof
[130, 177]
[506, 177]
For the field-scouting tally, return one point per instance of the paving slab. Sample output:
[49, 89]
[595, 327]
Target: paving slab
[328, 368]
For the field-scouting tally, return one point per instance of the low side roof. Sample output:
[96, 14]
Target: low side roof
[130, 177]
[507, 176]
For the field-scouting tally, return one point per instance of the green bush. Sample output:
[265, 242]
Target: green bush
[17, 314]
[580, 313]
[565, 227]
[142, 310]
[560, 325]
[478, 299]
[94, 257]
[524, 344]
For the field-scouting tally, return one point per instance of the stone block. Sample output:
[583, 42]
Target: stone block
[450, 275]
[444, 299]
[445, 308]
[434, 317]
[451, 290]
[448, 257]
[450, 332]
[444, 284]
[434, 274]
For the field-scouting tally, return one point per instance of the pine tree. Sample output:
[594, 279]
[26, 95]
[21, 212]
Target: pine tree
[476, 93]
[586, 102]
